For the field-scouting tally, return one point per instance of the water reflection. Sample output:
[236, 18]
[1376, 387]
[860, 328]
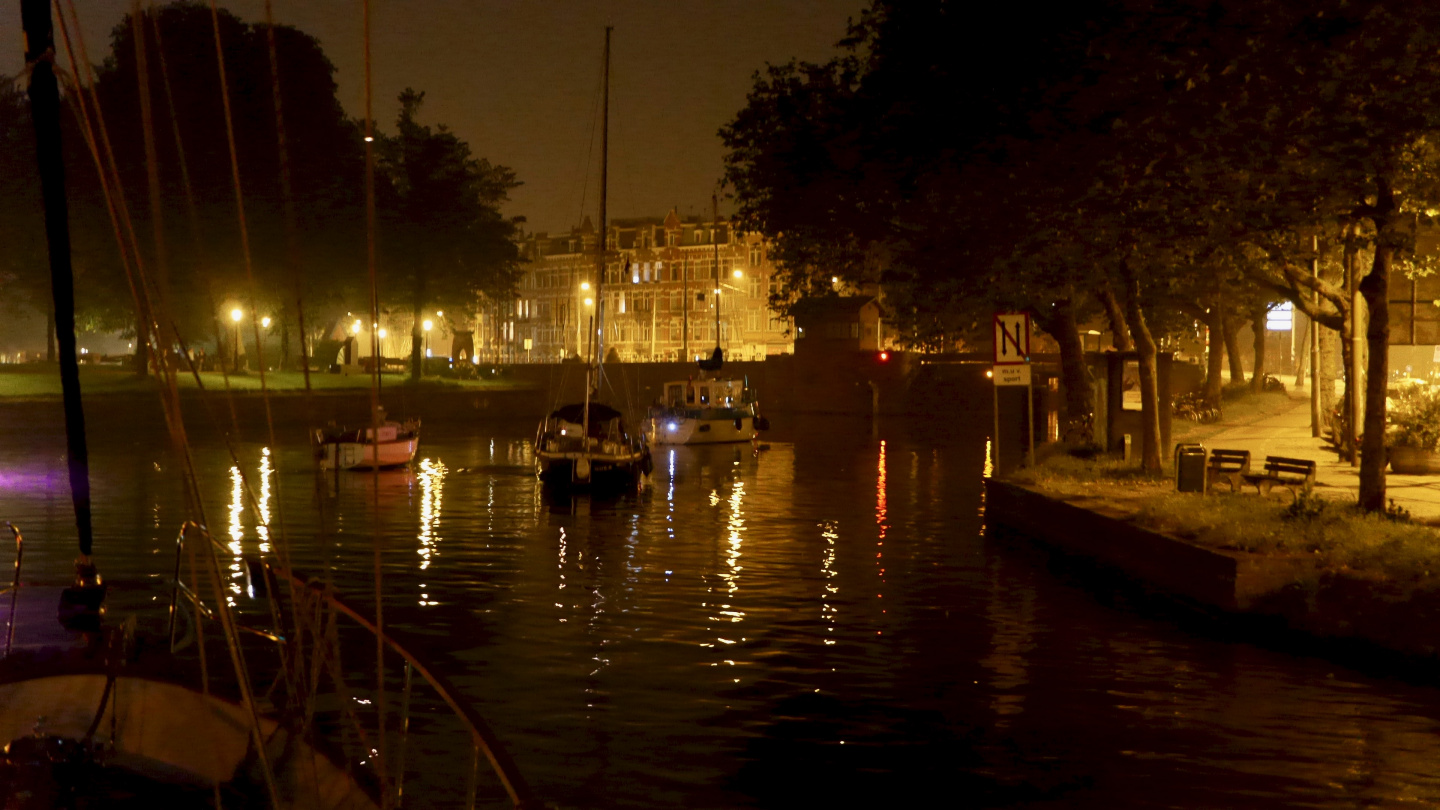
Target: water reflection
[991, 670]
[431, 477]
[262, 530]
[880, 522]
[237, 531]
[828, 611]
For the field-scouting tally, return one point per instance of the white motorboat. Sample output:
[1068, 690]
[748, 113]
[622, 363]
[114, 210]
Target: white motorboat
[394, 444]
[711, 411]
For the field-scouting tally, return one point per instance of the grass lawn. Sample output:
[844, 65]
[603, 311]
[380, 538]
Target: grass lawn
[1335, 532]
[43, 380]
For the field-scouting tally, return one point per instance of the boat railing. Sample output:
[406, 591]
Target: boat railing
[14, 588]
[264, 578]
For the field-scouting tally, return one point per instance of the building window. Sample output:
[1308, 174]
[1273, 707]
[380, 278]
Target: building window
[756, 255]
[672, 238]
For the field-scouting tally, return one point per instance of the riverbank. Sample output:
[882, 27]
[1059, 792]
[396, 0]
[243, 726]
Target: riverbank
[1313, 564]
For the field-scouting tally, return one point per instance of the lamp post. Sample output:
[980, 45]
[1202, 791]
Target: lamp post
[429, 324]
[236, 315]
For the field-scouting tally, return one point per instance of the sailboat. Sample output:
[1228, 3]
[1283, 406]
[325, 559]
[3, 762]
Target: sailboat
[391, 444]
[99, 710]
[589, 443]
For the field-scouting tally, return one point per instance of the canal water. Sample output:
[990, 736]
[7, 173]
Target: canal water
[821, 621]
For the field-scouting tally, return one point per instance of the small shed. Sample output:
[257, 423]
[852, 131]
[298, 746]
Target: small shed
[837, 323]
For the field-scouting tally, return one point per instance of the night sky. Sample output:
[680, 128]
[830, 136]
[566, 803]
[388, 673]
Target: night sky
[520, 82]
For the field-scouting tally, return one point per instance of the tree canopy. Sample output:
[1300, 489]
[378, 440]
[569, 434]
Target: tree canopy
[1154, 162]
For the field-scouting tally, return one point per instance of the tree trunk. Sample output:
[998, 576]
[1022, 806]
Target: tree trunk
[285, 362]
[1329, 360]
[1230, 332]
[1079, 395]
[142, 346]
[417, 336]
[1215, 359]
[1375, 289]
[50, 335]
[1149, 395]
[1257, 372]
[1115, 314]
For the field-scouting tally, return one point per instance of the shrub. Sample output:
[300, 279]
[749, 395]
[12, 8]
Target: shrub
[1415, 418]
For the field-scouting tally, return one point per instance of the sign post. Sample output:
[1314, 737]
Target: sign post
[1012, 368]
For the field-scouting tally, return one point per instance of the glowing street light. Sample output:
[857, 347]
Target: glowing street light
[265, 321]
[428, 325]
[739, 274]
[236, 314]
[584, 285]
[589, 302]
[355, 328]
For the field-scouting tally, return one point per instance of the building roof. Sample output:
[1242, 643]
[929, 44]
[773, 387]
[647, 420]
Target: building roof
[832, 306]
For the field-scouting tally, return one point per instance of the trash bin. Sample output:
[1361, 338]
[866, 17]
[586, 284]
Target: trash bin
[1190, 467]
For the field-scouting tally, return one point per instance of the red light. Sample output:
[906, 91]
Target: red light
[884, 356]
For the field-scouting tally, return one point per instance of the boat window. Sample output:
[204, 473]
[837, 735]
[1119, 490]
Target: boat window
[675, 395]
[690, 395]
[704, 395]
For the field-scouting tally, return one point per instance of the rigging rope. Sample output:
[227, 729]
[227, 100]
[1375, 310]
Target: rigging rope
[375, 359]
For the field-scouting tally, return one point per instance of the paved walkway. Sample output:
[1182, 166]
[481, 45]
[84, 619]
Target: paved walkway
[1288, 434]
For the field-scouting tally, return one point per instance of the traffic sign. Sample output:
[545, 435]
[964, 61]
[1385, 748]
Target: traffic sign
[1012, 374]
[1012, 338]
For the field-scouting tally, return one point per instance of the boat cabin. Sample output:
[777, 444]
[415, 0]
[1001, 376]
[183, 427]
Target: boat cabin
[704, 394]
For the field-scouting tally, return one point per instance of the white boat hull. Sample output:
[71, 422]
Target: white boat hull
[368, 455]
[685, 430]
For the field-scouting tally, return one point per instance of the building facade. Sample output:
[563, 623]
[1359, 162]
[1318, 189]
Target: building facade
[663, 282]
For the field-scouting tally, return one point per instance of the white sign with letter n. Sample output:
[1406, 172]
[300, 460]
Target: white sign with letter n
[1012, 338]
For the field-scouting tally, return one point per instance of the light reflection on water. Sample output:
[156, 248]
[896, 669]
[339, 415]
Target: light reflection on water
[712, 640]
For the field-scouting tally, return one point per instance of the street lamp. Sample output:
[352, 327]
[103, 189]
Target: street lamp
[236, 315]
[429, 324]
[265, 322]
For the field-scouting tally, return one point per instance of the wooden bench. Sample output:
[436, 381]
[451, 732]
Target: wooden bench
[1227, 465]
[1286, 472]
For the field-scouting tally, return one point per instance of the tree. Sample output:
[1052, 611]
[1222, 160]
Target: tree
[444, 238]
[201, 241]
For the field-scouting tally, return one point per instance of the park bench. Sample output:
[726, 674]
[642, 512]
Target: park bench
[1286, 472]
[1227, 465]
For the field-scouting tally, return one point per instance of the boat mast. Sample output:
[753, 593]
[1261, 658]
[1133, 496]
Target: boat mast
[715, 240]
[45, 114]
[601, 244]
[599, 324]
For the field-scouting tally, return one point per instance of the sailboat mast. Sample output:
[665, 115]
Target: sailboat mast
[45, 115]
[592, 385]
[604, 226]
[715, 240]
